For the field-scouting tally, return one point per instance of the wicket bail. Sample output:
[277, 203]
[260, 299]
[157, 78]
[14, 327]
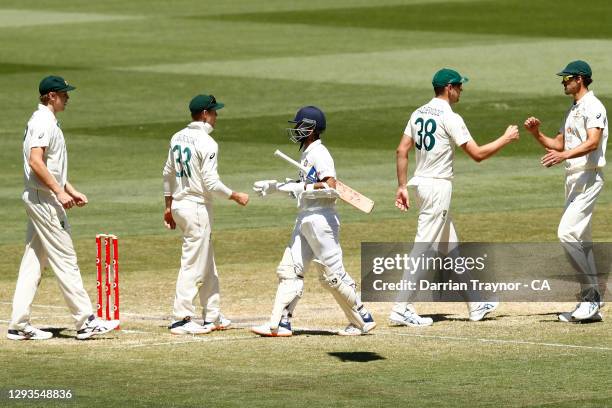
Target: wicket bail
[110, 244]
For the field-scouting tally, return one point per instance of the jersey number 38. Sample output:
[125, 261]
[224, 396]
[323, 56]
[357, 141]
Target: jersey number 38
[425, 134]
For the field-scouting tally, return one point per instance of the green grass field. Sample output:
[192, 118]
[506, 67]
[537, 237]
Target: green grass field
[136, 65]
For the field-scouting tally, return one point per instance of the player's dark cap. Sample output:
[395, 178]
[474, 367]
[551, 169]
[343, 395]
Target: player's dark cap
[53, 83]
[447, 76]
[204, 102]
[311, 113]
[577, 67]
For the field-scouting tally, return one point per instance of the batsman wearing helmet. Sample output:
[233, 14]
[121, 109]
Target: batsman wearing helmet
[315, 238]
[581, 143]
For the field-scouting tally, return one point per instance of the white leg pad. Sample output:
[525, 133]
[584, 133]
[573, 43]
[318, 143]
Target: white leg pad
[290, 289]
[344, 292]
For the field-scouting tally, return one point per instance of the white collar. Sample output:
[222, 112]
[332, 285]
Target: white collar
[441, 102]
[44, 109]
[586, 96]
[312, 145]
[205, 126]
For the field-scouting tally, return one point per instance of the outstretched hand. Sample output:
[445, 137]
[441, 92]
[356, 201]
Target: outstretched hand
[512, 133]
[532, 125]
[264, 187]
[240, 198]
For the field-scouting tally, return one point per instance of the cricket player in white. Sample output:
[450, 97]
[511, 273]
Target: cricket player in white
[47, 196]
[434, 130]
[581, 143]
[190, 180]
[315, 237]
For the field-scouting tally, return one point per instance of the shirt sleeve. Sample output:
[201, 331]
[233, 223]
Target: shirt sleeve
[212, 181]
[39, 136]
[169, 174]
[324, 164]
[408, 129]
[458, 131]
[596, 117]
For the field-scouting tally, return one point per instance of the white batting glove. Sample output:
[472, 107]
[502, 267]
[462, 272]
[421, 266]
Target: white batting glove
[292, 187]
[264, 187]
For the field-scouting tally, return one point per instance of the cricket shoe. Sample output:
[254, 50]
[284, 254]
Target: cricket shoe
[94, 327]
[188, 326]
[567, 318]
[478, 310]
[585, 310]
[352, 330]
[409, 318]
[29, 332]
[283, 330]
[220, 324]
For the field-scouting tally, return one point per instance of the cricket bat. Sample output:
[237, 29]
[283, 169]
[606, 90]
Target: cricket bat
[347, 194]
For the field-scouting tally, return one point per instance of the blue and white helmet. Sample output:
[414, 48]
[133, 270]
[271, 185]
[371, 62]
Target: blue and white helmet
[307, 120]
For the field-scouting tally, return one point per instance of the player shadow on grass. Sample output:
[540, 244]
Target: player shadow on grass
[556, 320]
[356, 356]
[57, 332]
[314, 332]
[440, 317]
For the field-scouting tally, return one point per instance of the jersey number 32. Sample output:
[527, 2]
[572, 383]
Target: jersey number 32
[425, 135]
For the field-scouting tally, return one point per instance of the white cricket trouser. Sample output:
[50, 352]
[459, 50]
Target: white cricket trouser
[198, 272]
[435, 228]
[581, 192]
[317, 235]
[48, 242]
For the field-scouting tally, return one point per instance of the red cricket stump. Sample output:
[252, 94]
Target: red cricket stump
[99, 274]
[116, 278]
[111, 276]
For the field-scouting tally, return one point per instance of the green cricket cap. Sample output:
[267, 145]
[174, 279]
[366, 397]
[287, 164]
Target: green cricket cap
[53, 83]
[447, 76]
[577, 67]
[204, 102]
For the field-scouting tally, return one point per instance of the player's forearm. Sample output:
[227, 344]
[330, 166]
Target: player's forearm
[553, 143]
[168, 202]
[581, 150]
[489, 149]
[42, 173]
[402, 167]
[69, 188]
[216, 186]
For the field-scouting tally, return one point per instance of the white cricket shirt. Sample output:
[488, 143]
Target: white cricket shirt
[190, 172]
[586, 113]
[43, 131]
[316, 155]
[436, 129]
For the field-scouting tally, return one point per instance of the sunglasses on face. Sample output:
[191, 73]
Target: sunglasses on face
[566, 78]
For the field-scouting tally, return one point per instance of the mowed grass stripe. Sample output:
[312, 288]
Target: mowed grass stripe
[484, 17]
[533, 65]
[186, 7]
[28, 18]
